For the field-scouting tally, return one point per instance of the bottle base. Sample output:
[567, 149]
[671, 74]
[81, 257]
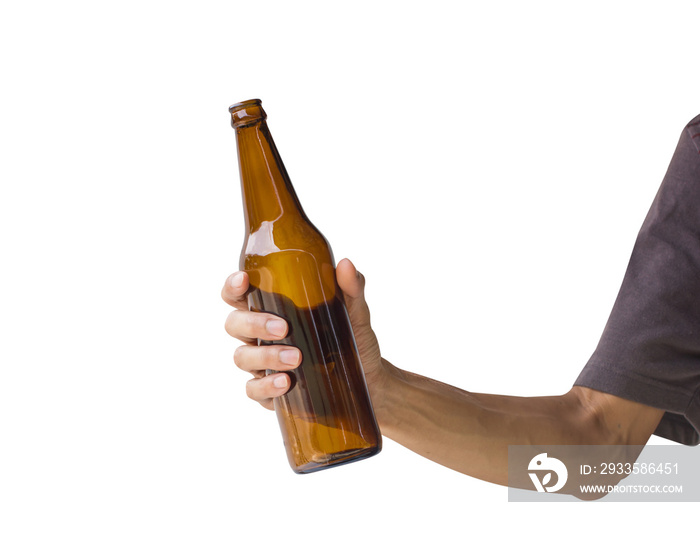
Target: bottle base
[336, 460]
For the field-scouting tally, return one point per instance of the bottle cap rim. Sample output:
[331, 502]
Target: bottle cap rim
[241, 104]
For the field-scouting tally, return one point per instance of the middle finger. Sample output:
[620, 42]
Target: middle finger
[260, 358]
[249, 326]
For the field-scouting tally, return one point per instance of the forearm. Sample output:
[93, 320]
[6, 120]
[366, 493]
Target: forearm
[471, 432]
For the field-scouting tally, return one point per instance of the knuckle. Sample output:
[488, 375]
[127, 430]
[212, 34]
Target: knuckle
[262, 356]
[255, 390]
[270, 357]
[253, 322]
[250, 389]
[228, 325]
[236, 324]
[239, 356]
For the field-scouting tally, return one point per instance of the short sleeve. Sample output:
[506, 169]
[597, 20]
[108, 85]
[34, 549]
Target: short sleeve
[650, 349]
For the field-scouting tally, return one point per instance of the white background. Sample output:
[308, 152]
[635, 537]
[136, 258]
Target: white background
[486, 165]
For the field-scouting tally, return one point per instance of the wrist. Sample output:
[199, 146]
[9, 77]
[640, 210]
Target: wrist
[384, 394]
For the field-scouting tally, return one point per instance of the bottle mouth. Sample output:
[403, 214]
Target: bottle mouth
[246, 113]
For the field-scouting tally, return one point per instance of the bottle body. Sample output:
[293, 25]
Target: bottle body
[326, 417]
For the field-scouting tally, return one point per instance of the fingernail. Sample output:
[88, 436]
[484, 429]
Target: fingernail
[276, 327]
[289, 357]
[280, 381]
[236, 280]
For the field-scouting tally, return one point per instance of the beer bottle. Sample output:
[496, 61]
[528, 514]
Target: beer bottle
[326, 417]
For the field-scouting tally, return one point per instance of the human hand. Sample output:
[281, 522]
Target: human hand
[249, 326]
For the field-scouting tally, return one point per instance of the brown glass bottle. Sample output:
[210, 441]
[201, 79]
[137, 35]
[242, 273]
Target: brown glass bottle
[326, 417]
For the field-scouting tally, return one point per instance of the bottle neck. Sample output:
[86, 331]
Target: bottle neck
[268, 194]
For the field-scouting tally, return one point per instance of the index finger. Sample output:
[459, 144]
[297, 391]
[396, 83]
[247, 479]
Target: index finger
[235, 290]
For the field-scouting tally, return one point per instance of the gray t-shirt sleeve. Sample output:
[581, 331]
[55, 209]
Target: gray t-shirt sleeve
[650, 349]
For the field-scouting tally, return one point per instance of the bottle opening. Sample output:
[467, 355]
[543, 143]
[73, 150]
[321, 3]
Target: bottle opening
[246, 113]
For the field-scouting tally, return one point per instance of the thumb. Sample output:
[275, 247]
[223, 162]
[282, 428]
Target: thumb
[353, 285]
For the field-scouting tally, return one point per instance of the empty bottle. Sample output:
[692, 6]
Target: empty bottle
[326, 417]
